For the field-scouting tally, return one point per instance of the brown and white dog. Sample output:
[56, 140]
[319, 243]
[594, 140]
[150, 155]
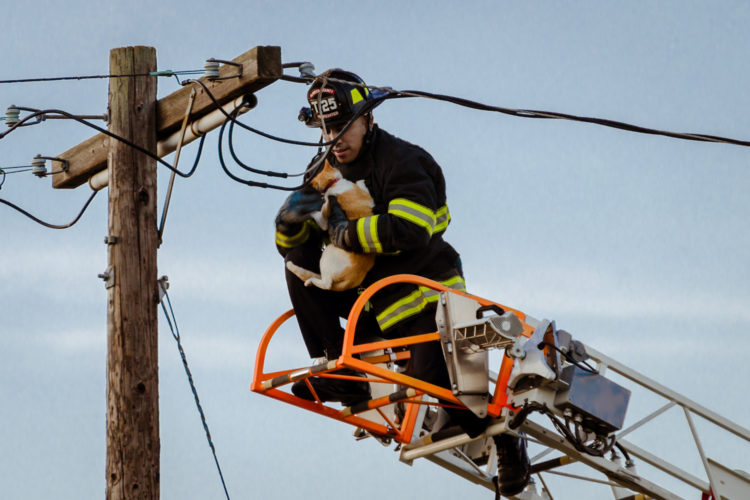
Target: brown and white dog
[339, 269]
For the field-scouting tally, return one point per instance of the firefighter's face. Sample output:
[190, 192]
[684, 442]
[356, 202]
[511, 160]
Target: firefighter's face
[349, 145]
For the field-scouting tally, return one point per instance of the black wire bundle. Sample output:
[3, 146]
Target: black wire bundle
[43, 112]
[583, 365]
[386, 93]
[576, 436]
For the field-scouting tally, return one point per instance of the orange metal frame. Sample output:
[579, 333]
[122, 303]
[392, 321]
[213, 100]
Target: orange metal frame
[269, 383]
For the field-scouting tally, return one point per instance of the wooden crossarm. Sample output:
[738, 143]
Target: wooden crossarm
[261, 66]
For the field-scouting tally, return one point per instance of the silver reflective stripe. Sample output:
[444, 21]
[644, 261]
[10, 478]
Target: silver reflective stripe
[367, 232]
[414, 213]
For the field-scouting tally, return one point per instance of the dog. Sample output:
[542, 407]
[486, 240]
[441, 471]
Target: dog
[339, 269]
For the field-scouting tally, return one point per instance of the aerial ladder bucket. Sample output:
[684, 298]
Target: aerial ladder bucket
[542, 370]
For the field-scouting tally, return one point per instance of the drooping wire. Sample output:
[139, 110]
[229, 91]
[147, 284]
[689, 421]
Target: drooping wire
[172, 322]
[254, 130]
[105, 132]
[530, 113]
[232, 120]
[21, 122]
[47, 224]
[314, 164]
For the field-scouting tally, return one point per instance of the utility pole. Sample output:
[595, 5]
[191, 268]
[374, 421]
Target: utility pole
[132, 355]
[132, 465]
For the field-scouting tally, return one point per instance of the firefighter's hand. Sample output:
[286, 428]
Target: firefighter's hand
[298, 207]
[338, 224]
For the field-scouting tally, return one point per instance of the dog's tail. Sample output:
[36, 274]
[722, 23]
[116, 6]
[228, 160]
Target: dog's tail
[301, 272]
[309, 277]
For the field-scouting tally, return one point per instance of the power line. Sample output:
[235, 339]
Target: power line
[172, 322]
[93, 77]
[47, 224]
[103, 131]
[530, 113]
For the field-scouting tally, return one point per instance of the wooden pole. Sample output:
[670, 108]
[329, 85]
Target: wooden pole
[132, 366]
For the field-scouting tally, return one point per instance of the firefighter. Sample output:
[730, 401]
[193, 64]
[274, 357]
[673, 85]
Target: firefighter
[405, 233]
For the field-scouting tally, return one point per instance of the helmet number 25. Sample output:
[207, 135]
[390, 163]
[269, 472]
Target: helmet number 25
[324, 105]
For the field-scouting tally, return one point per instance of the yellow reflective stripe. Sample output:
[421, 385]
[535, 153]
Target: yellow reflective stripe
[367, 234]
[297, 239]
[415, 302]
[442, 219]
[413, 212]
[356, 96]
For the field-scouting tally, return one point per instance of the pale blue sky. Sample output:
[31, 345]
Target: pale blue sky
[636, 244]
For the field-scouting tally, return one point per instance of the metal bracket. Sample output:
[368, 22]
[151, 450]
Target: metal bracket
[163, 286]
[108, 276]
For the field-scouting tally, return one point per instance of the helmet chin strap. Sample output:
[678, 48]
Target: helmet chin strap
[368, 135]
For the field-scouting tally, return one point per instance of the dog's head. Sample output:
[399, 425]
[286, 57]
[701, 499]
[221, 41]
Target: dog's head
[327, 177]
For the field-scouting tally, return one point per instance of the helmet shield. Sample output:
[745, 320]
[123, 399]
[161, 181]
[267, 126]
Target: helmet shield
[337, 101]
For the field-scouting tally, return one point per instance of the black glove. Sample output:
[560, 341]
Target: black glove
[338, 225]
[297, 208]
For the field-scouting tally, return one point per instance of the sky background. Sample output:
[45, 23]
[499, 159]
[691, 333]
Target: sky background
[636, 244]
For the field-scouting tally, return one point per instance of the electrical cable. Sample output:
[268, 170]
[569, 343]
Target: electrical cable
[105, 132]
[18, 170]
[22, 122]
[580, 364]
[231, 117]
[270, 136]
[93, 77]
[232, 121]
[17, 167]
[314, 164]
[623, 451]
[176, 335]
[600, 446]
[47, 224]
[295, 79]
[529, 113]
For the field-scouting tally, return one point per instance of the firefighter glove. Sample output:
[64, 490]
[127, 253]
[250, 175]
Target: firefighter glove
[298, 207]
[338, 225]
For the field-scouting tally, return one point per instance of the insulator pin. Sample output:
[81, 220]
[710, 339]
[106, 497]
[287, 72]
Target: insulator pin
[39, 167]
[306, 70]
[211, 69]
[12, 115]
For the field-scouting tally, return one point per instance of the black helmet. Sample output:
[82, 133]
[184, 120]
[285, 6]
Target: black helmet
[338, 101]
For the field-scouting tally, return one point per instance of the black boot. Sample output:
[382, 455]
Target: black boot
[347, 392]
[512, 464]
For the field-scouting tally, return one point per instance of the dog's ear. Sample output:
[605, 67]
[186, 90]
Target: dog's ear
[324, 177]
